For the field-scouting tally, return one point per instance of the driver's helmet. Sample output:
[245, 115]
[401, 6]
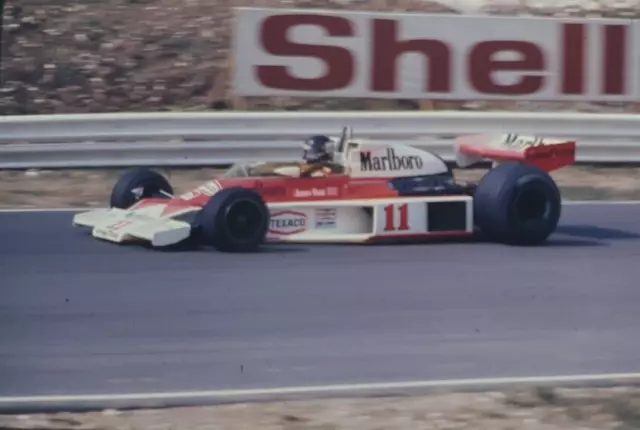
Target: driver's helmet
[317, 149]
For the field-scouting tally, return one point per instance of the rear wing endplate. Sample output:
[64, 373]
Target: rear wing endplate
[545, 153]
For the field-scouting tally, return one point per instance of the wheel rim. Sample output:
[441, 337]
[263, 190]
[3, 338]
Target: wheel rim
[532, 204]
[243, 220]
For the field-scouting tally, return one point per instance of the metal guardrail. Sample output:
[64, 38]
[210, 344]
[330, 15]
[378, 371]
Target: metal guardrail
[295, 125]
[211, 138]
[42, 156]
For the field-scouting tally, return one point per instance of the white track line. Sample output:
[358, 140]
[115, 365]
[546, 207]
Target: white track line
[601, 202]
[35, 210]
[566, 202]
[331, 389]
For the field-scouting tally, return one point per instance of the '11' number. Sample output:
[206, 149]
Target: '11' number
[390, 217]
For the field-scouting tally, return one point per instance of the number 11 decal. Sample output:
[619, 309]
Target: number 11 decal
[390, 217]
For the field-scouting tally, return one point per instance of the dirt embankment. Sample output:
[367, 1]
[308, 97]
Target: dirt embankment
[67, 56]
[543, 409]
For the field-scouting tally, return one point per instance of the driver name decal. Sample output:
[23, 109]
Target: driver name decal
[316, 192]
[285, 223]
[390, 161]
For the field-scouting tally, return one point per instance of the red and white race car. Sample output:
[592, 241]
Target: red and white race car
[371, 191]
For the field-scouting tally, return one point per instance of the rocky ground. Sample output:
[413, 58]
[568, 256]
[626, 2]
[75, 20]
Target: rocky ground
[540, 409]
[91, 188]
[67, 56]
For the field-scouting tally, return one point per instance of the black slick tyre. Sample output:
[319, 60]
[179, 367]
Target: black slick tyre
[138, 184]
[234, 220]
[517, 204]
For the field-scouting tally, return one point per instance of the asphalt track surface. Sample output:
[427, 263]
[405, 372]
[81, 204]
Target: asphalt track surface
[78, 316]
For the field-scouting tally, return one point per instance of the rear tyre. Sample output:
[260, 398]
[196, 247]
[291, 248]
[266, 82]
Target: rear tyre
[138, 184]
[517, 204]
[234, 220]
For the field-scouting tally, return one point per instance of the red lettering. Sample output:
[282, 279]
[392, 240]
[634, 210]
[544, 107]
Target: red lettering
[340, 63]
[387, 48]
[614, 65]
[390, 217]
[482, 65]
[119, 225]
[573, 58]
[568, 71]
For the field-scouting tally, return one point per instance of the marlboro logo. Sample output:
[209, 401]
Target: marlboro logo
[389, 162]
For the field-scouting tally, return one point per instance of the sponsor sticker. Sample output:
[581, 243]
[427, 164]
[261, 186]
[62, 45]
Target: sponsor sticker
[326, 218]
[105, 234]
[207, 189]
[284, 223]
[515, 140]
[316, 192]
[363, 55]
[370, 161]
[119, 225]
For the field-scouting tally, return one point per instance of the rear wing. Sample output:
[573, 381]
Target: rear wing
[545, 153]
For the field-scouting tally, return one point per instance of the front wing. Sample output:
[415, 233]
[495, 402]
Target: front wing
[118, 225]
[347, 221]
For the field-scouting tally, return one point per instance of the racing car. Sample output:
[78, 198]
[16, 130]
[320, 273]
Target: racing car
[373, 192]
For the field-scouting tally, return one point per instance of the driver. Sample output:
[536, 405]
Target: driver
[318, 157]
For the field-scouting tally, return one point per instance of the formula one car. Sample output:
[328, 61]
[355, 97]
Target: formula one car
[373, 191]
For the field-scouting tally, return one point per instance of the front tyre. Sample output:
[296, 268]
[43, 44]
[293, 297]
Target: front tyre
[234, 220]
[138, 184]
[517, 204]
